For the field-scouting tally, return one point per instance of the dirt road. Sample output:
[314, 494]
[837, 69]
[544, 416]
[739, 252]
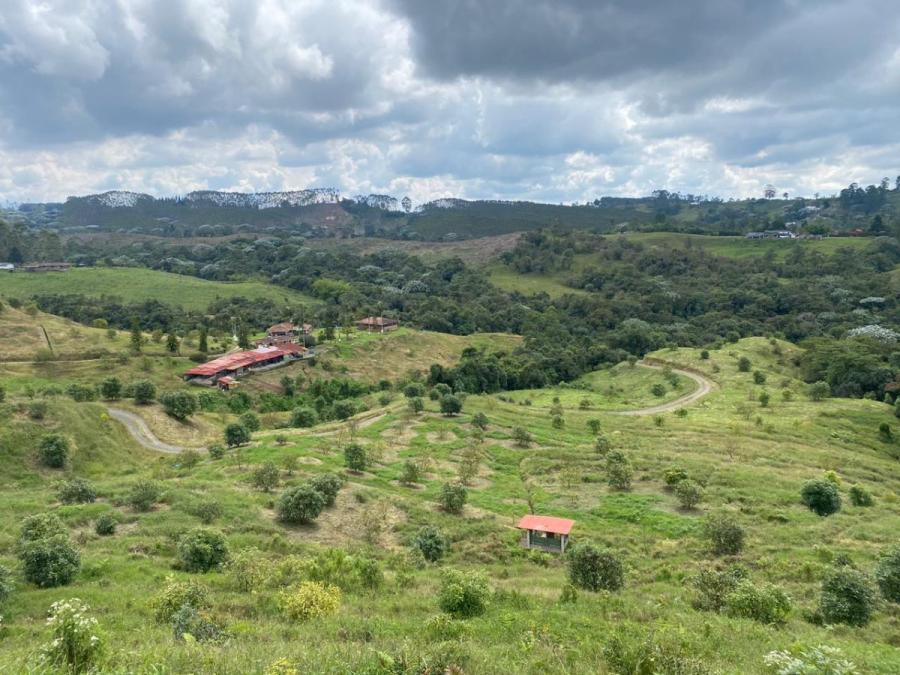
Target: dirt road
[139, 430]
[704, 386]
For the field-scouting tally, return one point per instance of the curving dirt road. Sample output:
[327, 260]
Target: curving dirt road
[139, 430]
[704, 386]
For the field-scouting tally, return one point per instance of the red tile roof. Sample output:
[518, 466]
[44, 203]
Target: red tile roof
[243, 359]
[377, 321]
[546, 524]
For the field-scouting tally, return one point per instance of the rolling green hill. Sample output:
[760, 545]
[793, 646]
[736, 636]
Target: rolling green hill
[136, 285]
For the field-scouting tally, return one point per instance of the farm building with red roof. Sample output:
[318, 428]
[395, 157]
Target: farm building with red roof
[546, 532]
[240, 363]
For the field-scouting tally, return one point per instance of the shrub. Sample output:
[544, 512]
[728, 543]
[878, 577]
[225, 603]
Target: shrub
[81, 393]
[41, 526]
[658, 390]
[764, 399]
[819, 391]
[480, 420]
[266, 477]
[642, 655]
[216, 451]
[744, 364]
[594, 425]
[177, 594]
[301, 504]
[179, 404]
[453, 497]
[463, 594]
[355, 457]
[236, 434]
[77, 645]
[673, 476]
[557, 422]
[412, 472]
[704, 354]
[414, 390]
[310, 600]
[37, 410]
[250, 421]
[188, 621]
[415, 405]
[207, 511]
[201, 550]
[111, 389]
[431, 543]
[341, 410]
[847, 597]
[143, 391]
[77, 491]
[450, 405]
[714, 586]
[859, 496]
[725, 535]
[54, 450]
[6, 585]
[821, 660]
[602, 445]
[594, 570]
[143, 495]
[759, 377]
[49, 562]
[689, 494]
[887, 574]
[618, 471]
[821, 496]
[766, 603]
[328, 485]
[247, 570]
[106, 525]
[521, 437]
[885, 433]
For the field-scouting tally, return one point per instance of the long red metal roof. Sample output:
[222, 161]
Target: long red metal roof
[243, 359]
[546, 524]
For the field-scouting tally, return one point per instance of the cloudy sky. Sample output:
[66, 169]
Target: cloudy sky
[551, 100]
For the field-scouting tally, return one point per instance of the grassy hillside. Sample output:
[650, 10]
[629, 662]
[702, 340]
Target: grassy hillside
[751, 459]
[138, 285]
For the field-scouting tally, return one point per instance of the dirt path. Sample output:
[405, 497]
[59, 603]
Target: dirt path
[139, 430]
[704, 386]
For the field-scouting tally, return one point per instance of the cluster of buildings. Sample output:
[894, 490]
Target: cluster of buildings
[283, 343]
[772, 234]
[36, 267]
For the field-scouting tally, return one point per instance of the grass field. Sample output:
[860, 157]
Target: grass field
[751, 459]
[138, 285]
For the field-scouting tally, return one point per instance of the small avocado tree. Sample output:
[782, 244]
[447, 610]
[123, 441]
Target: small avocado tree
[821, 496]
[355, 457]
[54, 451]
[300, 505]
[453, 497]
[236, 434]
[450, 405]
[594, 569]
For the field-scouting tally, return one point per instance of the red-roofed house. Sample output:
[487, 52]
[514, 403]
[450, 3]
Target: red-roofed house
[286, 332]
[546, 532]
[240, 363]
[377, 324]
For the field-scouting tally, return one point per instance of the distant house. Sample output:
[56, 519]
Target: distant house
[285, 333]
[771, 234]
[225, 369]
[377, 324]
[47, 267]
[7, 267]
[546, 533]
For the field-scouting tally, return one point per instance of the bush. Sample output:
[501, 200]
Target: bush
[207, 511]
[111, 389]
[521, 437]
[188, 621]
[236, 434]
[744, 364]
[50, 561]
[216, 451]
[250, 421]
[453, 497]
[6, 585]
[201, 550]
[143, 391]
[266, 477]
[106, 525]
[177, 594]
[415, 405]
[414, 390]
[759, 377]
[821, 496]
[480, 420]
[819, 391]
[431, 543]
[301, 504]
[328, 485]
[658, 390]
[618, 471]
[673, 476]
[859, 496]
[714, 586]
[41, 526]
[54, 451]
[642, 655]
[602, 445]
[355, 457]
[463, 594]
[764, 399]
[309, 600]
[188, 459]
[179, 404]
[77, 644]
[143, 495]
[689, 494]
[725, 535]
[766, 603]
[412, 472]
[847, 597]
[887, 574]
[450, 405]
[704, 354]
[821, 660]
[594, 570]
[37, 410]
[77, 491]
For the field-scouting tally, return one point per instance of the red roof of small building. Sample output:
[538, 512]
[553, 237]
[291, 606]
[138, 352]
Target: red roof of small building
[546, 524]
[377, 321]
[285, 327]
[243, 359]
